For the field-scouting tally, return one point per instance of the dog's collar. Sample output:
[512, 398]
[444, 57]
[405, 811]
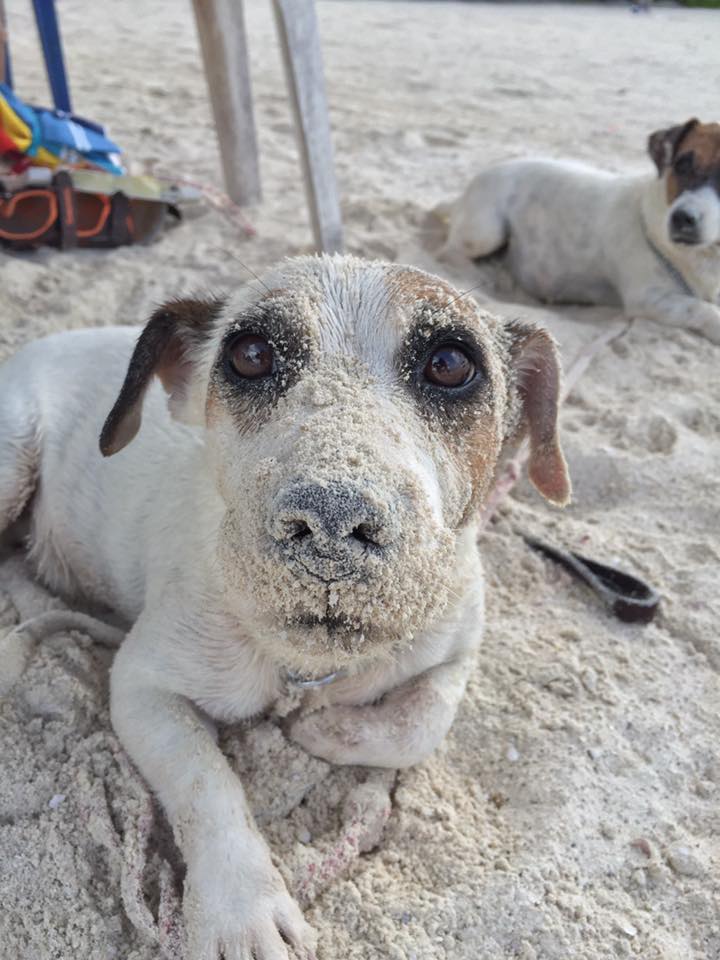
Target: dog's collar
[670, 267]
[301, 681]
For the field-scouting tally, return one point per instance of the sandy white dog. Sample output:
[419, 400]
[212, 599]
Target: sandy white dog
[576, 234]
[289, 485]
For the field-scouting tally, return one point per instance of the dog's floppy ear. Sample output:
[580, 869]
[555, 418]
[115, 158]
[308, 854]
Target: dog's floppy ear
[663, 144]
[535, 375]
[165, 347]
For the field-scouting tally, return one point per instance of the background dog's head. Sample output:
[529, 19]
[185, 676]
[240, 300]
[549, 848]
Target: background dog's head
[688, 157]
[354, 415]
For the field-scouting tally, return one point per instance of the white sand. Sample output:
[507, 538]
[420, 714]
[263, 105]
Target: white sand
[573, 812]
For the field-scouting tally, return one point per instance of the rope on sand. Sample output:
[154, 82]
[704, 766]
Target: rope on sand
[18, 644]
[365, 813]
[217, 199]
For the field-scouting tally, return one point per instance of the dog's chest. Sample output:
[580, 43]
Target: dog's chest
[236, 690]
[232, 682]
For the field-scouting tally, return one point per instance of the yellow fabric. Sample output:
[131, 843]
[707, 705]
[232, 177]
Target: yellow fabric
[43, 158]
[98, 181]
[15, 128]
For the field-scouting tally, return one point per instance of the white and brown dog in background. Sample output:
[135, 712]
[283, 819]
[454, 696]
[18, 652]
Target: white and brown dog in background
[289, 486]
[577, 234]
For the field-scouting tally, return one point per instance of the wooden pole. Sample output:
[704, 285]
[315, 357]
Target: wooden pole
[221, 29]
[3, 41]
[300, 44]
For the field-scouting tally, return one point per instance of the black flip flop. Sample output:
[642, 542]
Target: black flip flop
[629, 598]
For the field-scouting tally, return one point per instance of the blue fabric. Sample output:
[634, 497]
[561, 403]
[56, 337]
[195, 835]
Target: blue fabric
[63, 134]
[73, 132]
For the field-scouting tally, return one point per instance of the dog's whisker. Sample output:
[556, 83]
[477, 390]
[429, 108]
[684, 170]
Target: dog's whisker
[242, 263]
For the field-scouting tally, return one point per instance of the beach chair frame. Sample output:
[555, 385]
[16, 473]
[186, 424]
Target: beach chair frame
[223, 42]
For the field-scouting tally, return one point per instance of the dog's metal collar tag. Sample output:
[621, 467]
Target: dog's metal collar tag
[293, 679]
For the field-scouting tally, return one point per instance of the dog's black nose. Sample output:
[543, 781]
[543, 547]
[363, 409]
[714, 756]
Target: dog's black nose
[684, 226]
[331, 528]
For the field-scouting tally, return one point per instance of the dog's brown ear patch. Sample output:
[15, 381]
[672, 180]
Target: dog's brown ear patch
[663, 144]
[164, 348]
[536, 373]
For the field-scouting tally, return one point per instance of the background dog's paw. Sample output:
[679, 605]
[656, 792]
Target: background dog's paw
[706, 320]
[15, 648]
[9, 615]
[712, 329]
[434, 227]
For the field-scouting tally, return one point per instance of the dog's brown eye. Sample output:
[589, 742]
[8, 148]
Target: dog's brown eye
[251, 357]
[449, 366]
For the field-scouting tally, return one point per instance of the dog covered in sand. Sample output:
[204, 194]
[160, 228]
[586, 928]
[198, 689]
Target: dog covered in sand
[576, 234]
[287, 498]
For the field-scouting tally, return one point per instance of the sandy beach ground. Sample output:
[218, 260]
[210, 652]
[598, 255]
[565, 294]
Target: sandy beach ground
[573, 813]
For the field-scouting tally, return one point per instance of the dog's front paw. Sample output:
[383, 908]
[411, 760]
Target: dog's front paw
[237, 907]
[399, 730]
[336, 734]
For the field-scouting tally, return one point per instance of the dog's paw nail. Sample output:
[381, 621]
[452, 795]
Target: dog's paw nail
[300, 935]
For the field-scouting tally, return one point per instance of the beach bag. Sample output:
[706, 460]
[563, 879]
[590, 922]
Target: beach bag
[59, 215]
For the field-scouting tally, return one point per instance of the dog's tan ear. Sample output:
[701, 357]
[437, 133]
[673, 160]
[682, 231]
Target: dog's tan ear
[165, 347]
[535, 371]
[663, 144]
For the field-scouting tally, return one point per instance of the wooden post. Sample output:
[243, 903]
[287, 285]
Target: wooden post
[3, 42]
[300, 42]
[221, 28]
